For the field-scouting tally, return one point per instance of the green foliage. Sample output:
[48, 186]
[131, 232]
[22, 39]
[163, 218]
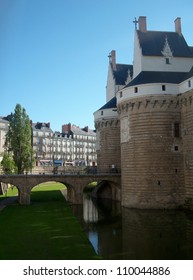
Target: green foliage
[8, 164]
[18, 140]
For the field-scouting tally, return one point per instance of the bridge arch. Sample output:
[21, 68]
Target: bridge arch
[68, 193]
[66, 189]
[107, 189]
[74, 182]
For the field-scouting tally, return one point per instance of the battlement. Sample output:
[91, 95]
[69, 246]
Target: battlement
[107, 123]
[155, 102]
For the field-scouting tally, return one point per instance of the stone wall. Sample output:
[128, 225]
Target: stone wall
[187, 133]
[151, 155]
[108, 146]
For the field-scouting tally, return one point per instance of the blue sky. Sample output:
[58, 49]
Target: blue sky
[54, 53]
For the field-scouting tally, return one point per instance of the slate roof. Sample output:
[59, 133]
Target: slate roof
[191, 49]
[121, 73]
[79, 131]
[110, 104]
[149, 77]
[3, 120]
[152, 43]
[41, 127]
[189, 74]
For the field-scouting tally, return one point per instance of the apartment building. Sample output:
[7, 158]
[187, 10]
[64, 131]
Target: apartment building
[71, 146]
[84, 139]
[3, 130]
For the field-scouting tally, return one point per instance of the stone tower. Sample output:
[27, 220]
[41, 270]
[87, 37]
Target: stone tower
[154, 111]
[151, 152]
[186, 101]
[107, 121]
[107, 125]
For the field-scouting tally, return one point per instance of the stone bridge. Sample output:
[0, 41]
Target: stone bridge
[108, 185]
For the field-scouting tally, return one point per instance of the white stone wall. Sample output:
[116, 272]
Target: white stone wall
[105, 114]
[177, 64]
[146, 90]
[111, 88]
[137, 59]
[186, 85]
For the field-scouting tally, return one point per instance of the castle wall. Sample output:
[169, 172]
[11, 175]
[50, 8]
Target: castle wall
[187, 130]
[151, 155]
[108, 145]
[179, 64]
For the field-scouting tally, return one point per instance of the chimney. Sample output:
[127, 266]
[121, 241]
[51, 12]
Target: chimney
[177, 22]
[69, 127]
[142, 24]
[85, 128]
[112, 59]
[66, 128]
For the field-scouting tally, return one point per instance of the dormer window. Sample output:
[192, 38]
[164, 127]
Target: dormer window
[163, 87]
[167, 60]
[167, 52]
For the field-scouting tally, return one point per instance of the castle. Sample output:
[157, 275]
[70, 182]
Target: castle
[145, 129]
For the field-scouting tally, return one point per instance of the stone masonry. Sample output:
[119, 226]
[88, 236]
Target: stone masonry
[108, 151]
[151, 155]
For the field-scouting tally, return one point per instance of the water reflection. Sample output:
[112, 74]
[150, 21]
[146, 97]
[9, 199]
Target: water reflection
[122, 233]
[90, 211]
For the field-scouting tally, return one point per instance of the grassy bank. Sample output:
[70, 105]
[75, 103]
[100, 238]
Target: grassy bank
[46, 229]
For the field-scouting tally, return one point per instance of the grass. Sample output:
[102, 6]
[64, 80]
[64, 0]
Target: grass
[90, 187]
[46, 229]
[11, 192]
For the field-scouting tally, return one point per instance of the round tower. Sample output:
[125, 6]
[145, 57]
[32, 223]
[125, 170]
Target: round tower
[186, 100]
[107, 126]
[151, 151]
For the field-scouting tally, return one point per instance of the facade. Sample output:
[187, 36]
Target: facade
[152, 108]
[49, 146]
[84, 140]
[42, 142]
[3, 130]
[73, 146]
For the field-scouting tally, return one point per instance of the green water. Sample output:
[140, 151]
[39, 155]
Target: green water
[121, 233]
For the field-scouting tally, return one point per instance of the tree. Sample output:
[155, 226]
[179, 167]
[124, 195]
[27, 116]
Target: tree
[18, 140]
[8, 164]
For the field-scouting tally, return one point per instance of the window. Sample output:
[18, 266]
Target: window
[101, 113]
[121, 94]
[163, 87]
[189, 83]
[136, 89]
[167, 60]
[177, 129]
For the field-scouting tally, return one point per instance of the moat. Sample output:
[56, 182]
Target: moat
[121, 233]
